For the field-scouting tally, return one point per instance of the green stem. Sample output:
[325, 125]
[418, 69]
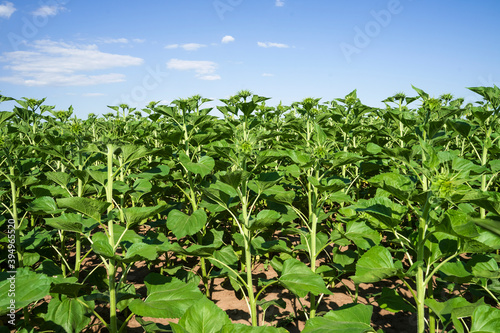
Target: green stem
[63, 252]
[112, 263]
[484, 188]
[420, 279]
[78, 260]
[248, 263]
[203, 267]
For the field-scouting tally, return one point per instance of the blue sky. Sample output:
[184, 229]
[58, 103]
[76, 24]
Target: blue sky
[90, 53]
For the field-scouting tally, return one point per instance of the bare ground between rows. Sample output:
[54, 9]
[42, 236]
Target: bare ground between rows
[292, 317]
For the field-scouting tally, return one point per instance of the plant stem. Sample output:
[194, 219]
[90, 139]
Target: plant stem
[112, 263]
[420, 279]
[248, 260]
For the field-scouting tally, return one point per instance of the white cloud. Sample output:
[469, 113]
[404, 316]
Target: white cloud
[45, 11]
[279, 3]
[205, 70]
[187, 46]
[227, 39]
[138, 40]
[267, 74]
[50, 63]
[114, 40]
[95, 94]
[269, 44]
[192, 46]
[210, 77]
[7, 9]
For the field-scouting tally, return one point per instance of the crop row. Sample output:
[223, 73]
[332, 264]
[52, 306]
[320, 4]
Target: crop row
[318, 191]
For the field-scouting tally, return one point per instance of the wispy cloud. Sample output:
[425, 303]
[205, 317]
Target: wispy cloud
[279, 3]
[94, 94]
[49, 63]
[187, 46]
[45, 11]
[269, 44]
[113, 40]
[138, 40]
[192, 46]
[227, 39]
[210, 77]
[7, 9]
[205, 70]
[267, 74]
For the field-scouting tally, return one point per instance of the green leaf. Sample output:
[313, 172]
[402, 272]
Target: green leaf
[242, 328]
[300, 280]
[459, 126]
[299, 157]
[44, 206]
[49, 191]
[390, 300]
[70, 289]
[168, 297]
[234, 178]
[265, 304]
[331, 184]
[61, 178]
[131, 153]
[100, 176]
[373, 148]
[452, 309]
[5, 115]
[396, 184]
[135, 215]
[483, 266]
[344, 158]
[152, 327]
[343, 258]
[458, 223]
[203, 167]
[69, 313]
[489, 224]
[204, 317]
[182, 224]
[455, 272]
[90, 207]
[422, 93]
[488, 240]
[158, 172]
[264, 219]
[36, 237]
[485, 319]
[264, 183]
[141, 251]
[347, 319]
[30, 258]
[71, 222]
[382, 209]
[362, 235]
[29, 287]
[374, 265]
[101, 246]
[225, 255]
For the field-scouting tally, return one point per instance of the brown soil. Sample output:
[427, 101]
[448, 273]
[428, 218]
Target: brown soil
[292, 317]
